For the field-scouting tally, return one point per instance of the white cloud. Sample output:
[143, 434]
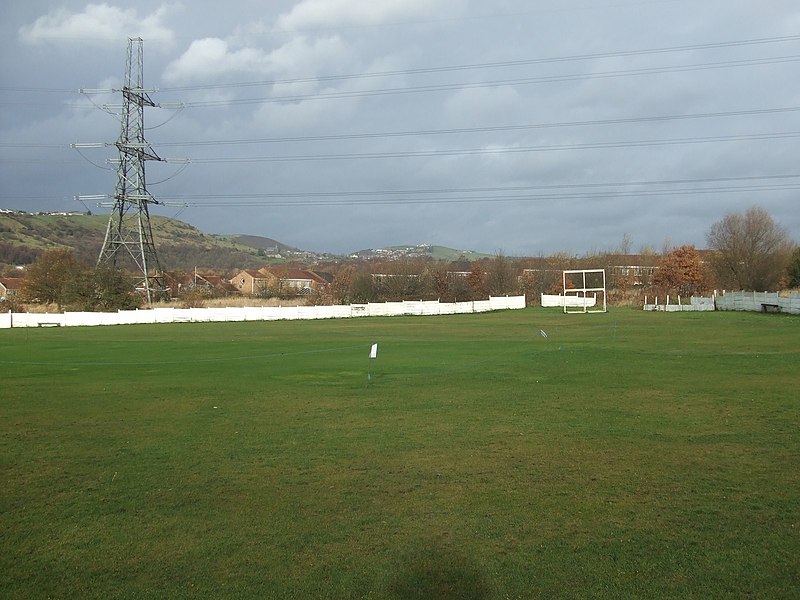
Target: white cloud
[212, 57]
[96, 23]
[303, 57]
[336, 13]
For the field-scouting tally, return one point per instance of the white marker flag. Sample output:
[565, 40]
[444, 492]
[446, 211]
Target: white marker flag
[373, 351]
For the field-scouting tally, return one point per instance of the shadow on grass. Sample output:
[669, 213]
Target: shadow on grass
[434, 571]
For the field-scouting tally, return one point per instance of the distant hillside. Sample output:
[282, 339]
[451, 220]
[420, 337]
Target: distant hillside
[23, 236]
[419, 251]
[268, 245]
[180, 246]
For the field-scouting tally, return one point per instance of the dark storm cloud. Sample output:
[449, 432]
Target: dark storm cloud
[514, 151]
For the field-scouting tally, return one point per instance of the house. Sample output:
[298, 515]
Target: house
[636, 275]
[251, 282]
[212, 285]
[215, 284]
[10, 287]
[279, 281]
[297, 281]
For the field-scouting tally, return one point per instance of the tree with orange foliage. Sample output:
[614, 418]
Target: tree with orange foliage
[681, 270]
[476, 281]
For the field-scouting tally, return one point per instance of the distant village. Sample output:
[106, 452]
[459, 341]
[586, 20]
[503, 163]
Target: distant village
[417, 272]
[383, 274]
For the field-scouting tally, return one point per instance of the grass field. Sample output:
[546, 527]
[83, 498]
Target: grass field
[629, 455]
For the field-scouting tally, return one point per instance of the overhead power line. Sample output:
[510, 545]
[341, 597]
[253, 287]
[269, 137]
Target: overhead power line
[450, 131]
[507, 150]
[489, 65]
[451, 68]
[497, 83]
[371, 201]
[487, 129]
[513, 188]
[775, 182]
[734, 184]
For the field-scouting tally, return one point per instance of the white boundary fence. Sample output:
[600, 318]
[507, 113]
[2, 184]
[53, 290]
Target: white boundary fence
[760, 302]
[749, 301]
[260, 313]
[553, 300]
[696, 303]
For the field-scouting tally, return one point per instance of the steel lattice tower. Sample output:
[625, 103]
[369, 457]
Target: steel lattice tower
[129, 236]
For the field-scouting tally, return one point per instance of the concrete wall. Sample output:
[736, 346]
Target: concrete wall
[695, 304]
[755, 301]
[205, 315]
[750, 301]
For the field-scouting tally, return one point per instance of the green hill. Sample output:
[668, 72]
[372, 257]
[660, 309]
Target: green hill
[24, 236]
[268, 245]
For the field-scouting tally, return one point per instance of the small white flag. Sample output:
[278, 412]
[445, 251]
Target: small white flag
[544, 335]
[373, 351]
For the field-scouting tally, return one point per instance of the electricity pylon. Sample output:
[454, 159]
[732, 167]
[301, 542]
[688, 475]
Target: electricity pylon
[129, 235]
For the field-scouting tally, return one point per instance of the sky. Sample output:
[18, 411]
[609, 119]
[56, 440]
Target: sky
[518, 127]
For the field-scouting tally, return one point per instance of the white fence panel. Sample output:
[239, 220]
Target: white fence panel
[312, 312]
[359, 310]
[381, 309]
[701, 301]
[246, 313]
[463, 308]
[341, 311]
[182, 315]
[557, 300]
[737, 301]
[413, 307]
[89, 319]
[164, 315]
[695, 304]
[759, 301]
[135, 317]
[481, 306]
[507, 302]
[44, 320]
[225, 315]
[262, 313]
[431, 308]
[447, 308]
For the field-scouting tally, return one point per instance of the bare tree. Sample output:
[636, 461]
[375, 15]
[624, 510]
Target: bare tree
[340, 287]
[751, 251]
[501, 277]
[793, 271]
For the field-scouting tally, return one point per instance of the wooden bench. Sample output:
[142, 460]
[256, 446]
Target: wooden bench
[48, 324]
[767, 307]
